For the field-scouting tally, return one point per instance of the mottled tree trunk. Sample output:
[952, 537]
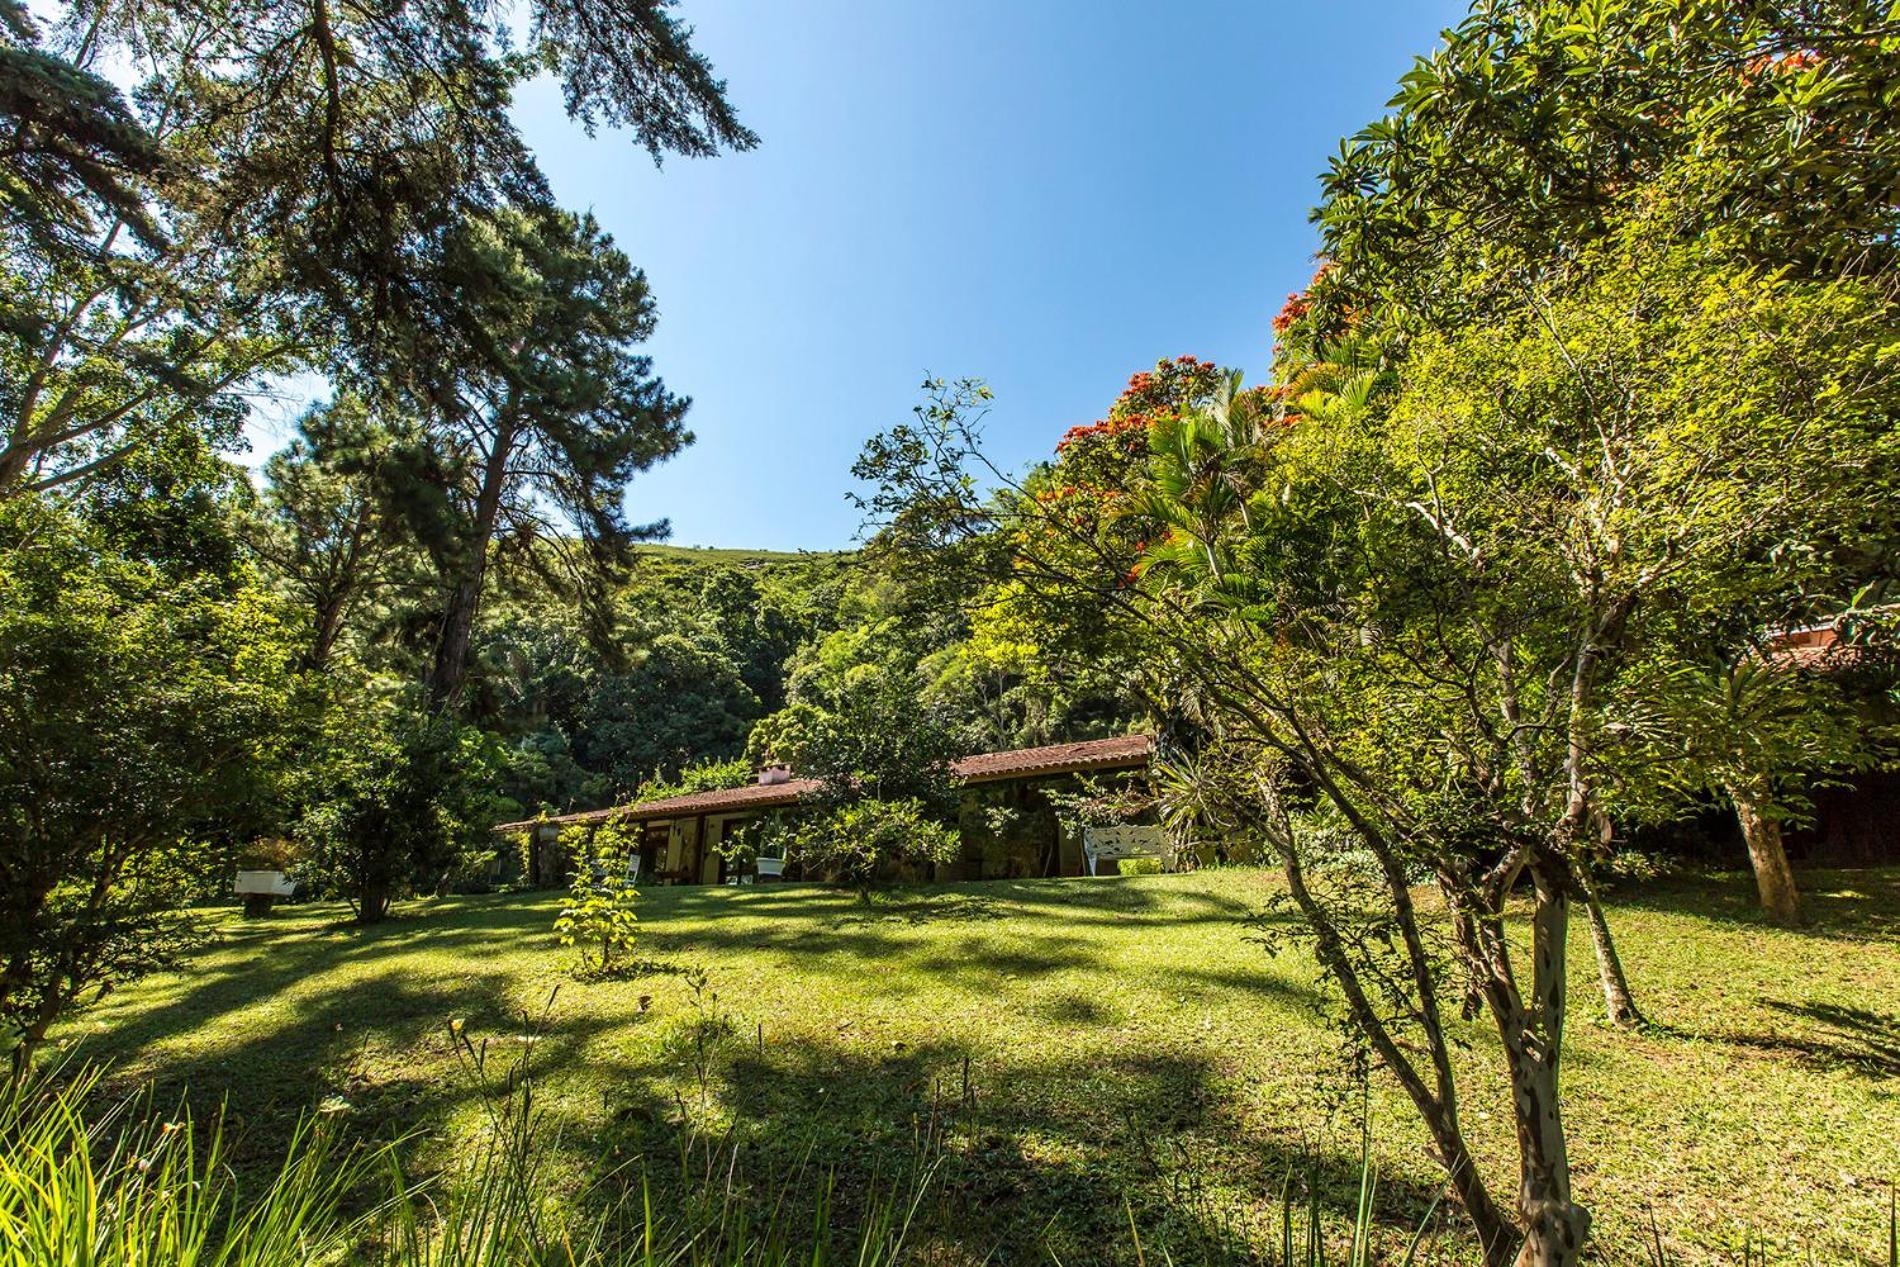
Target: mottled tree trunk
[1618, 1001]
[1555, 1226]
[1761, 832]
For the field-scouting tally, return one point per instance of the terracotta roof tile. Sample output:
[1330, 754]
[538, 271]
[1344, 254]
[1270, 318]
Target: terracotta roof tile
[1840, 655]
[1816, 650]
[1121, 752]
[752, 796]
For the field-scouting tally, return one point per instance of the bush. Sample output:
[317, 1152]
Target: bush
[598, 920]
[143, 721]
[1140, 866]
[396, 801]
[855, 843]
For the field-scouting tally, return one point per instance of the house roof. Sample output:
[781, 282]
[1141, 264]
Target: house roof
[1120, 753]
[752, 796]
[1818, 648]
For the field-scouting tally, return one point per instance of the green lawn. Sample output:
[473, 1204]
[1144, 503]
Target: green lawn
[1123, 1038]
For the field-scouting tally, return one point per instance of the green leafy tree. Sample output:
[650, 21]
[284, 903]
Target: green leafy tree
[122, 329]
[859, 725]
[76, 150]
[143, 717]
[1525, 133]
[330, 150]
[680, 702]
[861, 841]
[394, 799]
[857, 722]
[284, 187]
[756, 627]
[330, 532]
[1756, 730]
[1404, 604]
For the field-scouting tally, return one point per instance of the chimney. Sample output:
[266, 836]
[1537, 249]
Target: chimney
[770, 774]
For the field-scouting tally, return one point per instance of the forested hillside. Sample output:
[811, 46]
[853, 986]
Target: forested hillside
[713, 661]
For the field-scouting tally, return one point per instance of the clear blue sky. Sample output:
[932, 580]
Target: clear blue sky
[1050, 194]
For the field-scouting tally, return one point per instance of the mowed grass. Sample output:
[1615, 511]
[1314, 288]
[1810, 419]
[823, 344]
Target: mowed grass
[1085, 1049]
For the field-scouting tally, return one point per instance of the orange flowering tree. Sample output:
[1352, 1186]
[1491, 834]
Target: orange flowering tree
[1092, 494]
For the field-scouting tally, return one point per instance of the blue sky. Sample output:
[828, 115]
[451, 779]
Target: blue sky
[1050, 194]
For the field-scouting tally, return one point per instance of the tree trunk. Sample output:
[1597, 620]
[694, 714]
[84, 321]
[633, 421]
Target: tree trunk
[465, 596]
[329, 622]
[32, 1035]
[1618, 1002]
[1761, 832]
[1497, 1235]
[458, 625]
[1555, 1227]
[1438, 1108]
[372, 903]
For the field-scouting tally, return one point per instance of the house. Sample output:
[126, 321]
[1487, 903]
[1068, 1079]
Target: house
[1008, 824]
[1854, 820]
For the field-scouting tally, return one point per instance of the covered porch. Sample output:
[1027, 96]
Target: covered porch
[680, 835]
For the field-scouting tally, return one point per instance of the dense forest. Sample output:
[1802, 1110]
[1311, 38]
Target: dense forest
[713, 662]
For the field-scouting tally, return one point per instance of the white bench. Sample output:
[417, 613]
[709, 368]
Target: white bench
[264, 884]
[261, 888]
[1112, 844]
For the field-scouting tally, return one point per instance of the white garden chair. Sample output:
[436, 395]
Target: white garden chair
[1112, 844]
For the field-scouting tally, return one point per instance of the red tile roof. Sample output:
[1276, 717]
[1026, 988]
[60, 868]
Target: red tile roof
[1120, 753]
[1818, 649]
[1816, 659]
[753, 796]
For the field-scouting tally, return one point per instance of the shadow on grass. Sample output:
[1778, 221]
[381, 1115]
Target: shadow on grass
[1034, 1158]
[265, 1073]
[1856, 1038]
[947, 907]
[812, 920]
[1839, 905]
[1037, 1153]
[1106, 900]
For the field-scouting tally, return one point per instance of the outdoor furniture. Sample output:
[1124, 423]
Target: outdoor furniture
[1112, 844]
[598, 872]
[260, 888]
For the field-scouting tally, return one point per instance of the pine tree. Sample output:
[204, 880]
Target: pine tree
[530, 383]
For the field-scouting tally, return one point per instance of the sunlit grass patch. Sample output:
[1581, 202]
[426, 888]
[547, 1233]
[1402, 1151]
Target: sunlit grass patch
[1081, 1044]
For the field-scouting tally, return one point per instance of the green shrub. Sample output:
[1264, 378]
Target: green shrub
[1140, 866]
[857, 842]
[598, 920]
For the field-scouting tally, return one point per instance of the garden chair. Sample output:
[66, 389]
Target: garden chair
[1112, 844]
